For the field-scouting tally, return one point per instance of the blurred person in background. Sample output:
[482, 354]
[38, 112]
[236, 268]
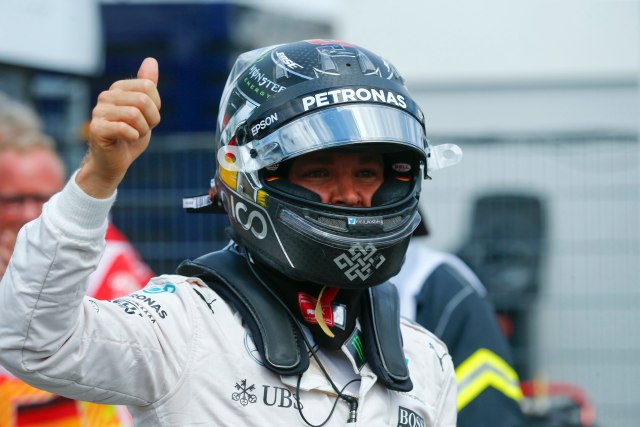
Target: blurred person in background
[16, 117]
[31, 171]
[440, 292]
[321, 153]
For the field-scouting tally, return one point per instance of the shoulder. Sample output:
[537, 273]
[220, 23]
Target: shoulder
[450, 284]
[416, 335]
[451, 307]
[430, 364]
[171, 296]
[445, 266]
[427, 271]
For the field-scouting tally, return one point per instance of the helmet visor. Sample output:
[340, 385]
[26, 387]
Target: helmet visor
[328, 128]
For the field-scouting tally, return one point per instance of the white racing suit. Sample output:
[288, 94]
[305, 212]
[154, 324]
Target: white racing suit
[175, 353]
[119, 272]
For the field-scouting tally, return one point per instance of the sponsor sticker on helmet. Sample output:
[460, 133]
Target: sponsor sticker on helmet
[401, 167]
[374, 220]
[259, 79]
[359, 262]
[250, 219]
[284, 59]
[348, 94]
[264, 123]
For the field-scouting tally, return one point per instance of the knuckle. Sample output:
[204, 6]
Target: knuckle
[130, 113]
[142, 100]
[156, 121]
[126, 132]
[142, 125]
[104, 96]
[117, 84]
[147, 85]
[122, 128]
[94, 126]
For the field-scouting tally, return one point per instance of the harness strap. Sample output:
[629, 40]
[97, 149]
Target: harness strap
[278, 337]
[382, 339]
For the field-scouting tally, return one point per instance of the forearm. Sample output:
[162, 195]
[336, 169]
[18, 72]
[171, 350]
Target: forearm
[55, 339]
[49, 336]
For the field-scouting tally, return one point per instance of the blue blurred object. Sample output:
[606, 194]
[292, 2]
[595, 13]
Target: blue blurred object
[193, 45]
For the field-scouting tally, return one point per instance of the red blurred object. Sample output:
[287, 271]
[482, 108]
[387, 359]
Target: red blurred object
[506, 325]
[542, 394]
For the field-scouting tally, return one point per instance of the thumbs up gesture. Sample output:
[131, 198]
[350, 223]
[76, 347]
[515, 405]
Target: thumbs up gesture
[120, 130]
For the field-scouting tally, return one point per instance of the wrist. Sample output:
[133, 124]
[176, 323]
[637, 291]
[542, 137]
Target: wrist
[79, 214]
[95, 183]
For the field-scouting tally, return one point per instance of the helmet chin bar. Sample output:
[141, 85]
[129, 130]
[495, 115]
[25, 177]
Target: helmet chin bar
[352, 249]
[318, 230]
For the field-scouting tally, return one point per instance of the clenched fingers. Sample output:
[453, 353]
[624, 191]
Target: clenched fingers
[145, 86]
[134, 108]
[124, 112]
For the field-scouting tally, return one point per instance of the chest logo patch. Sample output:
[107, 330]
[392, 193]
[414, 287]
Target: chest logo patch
[408, 418]
[243, 393]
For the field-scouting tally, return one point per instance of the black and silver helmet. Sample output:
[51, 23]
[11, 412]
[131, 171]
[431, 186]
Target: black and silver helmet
[284, 101]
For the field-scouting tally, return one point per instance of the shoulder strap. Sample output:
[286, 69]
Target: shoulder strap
[277, 337]
[382, 338]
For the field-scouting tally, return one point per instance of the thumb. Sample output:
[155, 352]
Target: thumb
[149, 70]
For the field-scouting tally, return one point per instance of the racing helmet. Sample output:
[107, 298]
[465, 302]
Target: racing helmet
[284, 101]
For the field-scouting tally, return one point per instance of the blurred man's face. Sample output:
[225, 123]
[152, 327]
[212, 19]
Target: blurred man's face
[27, 180]
[340, 178]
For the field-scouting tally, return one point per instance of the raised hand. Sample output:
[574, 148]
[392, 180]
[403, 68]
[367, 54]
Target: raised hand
[120, 130]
